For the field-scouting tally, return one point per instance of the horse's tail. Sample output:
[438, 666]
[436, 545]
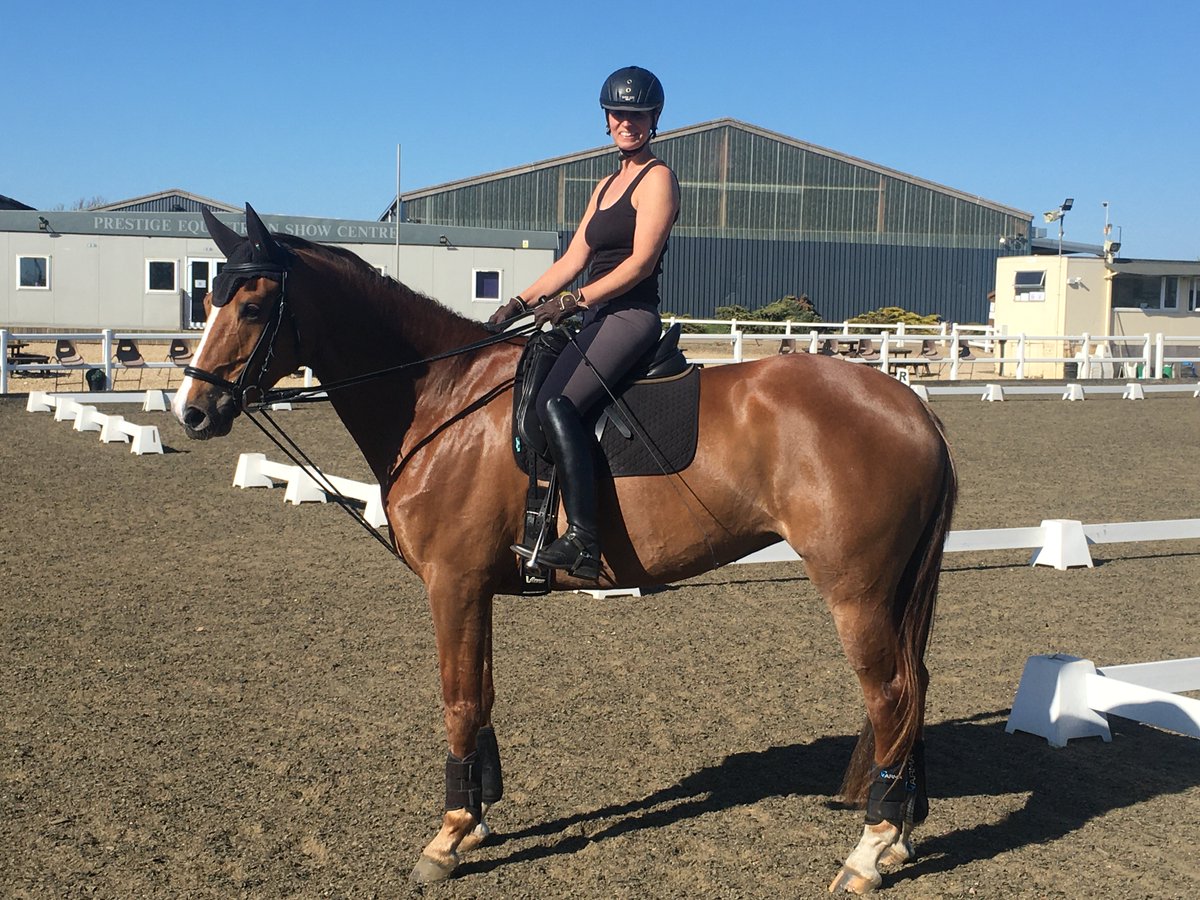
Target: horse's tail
[913, 607]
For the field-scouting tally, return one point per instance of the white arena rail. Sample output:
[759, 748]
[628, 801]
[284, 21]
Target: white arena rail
[1061, 543]
[143, 438]
[1061, 697]
[304, 485]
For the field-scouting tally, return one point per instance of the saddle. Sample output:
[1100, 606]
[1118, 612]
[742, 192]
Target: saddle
[651, 429]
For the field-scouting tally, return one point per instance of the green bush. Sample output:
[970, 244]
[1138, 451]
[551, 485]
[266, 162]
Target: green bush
[894, 315]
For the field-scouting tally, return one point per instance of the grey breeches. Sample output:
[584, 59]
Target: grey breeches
[613, 342]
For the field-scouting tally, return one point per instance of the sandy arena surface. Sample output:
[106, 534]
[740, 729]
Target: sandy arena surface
[208, 693]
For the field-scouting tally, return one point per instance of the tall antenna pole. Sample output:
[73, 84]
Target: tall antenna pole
[396, 213]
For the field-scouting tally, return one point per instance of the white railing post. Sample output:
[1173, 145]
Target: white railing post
[106, 342]
[814, 345]
[1020, 356]
[1085, 370]
[737, 346]
[3, 360]
[953, 351]
[884, 354]
[1159, 353]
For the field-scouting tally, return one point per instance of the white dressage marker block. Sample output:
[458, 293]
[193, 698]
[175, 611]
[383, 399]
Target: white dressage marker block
[156, 401]
[920, 390]
[993, 393]
[1051, 701]
[39, 401]
[1074, 392]
[88, 419]
[250, 473]
[1133, 391]
[1064, 545]
[1062, 697]
[615, 592]
[66, 410]
[112, 430]
[306, 486]
[145, 438]
[255, 470]
[302, 487]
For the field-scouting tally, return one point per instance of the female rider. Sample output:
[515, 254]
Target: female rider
[621, 240]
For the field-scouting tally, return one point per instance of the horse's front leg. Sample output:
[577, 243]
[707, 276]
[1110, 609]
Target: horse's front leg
[462, 620]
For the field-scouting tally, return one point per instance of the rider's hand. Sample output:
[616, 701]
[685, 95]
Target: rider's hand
[555, 309]
[513, 307]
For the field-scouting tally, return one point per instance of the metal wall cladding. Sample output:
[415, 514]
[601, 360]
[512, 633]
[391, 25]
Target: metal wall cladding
[842, 280]
[763, 216]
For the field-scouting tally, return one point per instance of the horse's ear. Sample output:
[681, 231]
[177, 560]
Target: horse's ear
[226, 238]
[260, 237]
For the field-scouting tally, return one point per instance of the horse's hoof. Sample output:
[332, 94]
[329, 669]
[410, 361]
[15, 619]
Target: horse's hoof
[848, 881]
[428, 870]
[475, 838]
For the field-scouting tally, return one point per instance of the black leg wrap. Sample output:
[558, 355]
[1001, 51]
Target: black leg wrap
[898, 795]
[463, 784]
[492, 778]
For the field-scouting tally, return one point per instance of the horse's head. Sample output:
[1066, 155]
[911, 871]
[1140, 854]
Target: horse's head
[250, 339]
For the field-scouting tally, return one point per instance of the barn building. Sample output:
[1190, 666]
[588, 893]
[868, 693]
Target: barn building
[764, 215]
[146, 263]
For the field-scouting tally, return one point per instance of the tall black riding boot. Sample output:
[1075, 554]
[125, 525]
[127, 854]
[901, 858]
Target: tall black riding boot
[571, 446]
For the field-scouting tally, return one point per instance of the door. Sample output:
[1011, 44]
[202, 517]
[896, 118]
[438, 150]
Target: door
[201, 272]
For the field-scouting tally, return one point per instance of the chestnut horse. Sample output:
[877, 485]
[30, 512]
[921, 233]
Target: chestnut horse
[847, 465]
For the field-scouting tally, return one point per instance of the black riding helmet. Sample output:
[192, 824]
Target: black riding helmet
[633, 89]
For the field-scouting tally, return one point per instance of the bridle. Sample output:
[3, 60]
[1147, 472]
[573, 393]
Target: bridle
[240, 389]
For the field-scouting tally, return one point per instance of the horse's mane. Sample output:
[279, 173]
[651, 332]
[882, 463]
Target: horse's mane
[363, 278]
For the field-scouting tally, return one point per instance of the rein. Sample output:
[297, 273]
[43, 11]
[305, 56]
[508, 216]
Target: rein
[240, 389]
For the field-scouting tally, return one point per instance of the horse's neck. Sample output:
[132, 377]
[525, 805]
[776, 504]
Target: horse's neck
[380, 330]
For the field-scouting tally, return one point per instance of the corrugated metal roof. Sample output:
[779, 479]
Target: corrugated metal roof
[607, 151]
[171, 200]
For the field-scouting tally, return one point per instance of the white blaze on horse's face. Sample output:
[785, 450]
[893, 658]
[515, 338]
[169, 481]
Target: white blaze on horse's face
[180, 402]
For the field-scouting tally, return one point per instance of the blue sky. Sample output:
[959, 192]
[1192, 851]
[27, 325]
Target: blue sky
[298, 107]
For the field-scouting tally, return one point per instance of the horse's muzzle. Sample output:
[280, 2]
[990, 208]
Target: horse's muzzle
[209, 417]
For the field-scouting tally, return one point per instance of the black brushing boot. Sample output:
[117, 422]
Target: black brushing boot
[571, 446]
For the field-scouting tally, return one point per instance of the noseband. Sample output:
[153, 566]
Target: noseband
[222, 293]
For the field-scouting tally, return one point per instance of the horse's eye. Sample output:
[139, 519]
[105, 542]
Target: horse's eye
[251, 311]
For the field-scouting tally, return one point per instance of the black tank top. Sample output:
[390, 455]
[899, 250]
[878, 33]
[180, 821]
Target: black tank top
[610, 235]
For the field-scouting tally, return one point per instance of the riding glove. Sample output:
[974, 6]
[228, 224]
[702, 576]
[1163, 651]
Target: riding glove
[513, 307]
[555, 309]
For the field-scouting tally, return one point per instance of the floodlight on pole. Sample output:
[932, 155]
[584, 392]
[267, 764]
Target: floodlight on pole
[1056, 215]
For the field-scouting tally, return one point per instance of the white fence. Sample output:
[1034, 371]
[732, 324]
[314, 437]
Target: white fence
[954, 348]
[959, 347]
[108, 340]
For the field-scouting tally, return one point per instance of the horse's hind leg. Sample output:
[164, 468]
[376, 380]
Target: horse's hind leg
[894, 699]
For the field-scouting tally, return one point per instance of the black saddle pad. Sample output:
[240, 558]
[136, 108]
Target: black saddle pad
[652, 431]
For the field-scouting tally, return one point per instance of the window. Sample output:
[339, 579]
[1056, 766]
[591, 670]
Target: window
[486, 287]
[33, 273]
[1146, 292]
[1194, 296]
[1170, 292]
[1029, 286]
[160, 275]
